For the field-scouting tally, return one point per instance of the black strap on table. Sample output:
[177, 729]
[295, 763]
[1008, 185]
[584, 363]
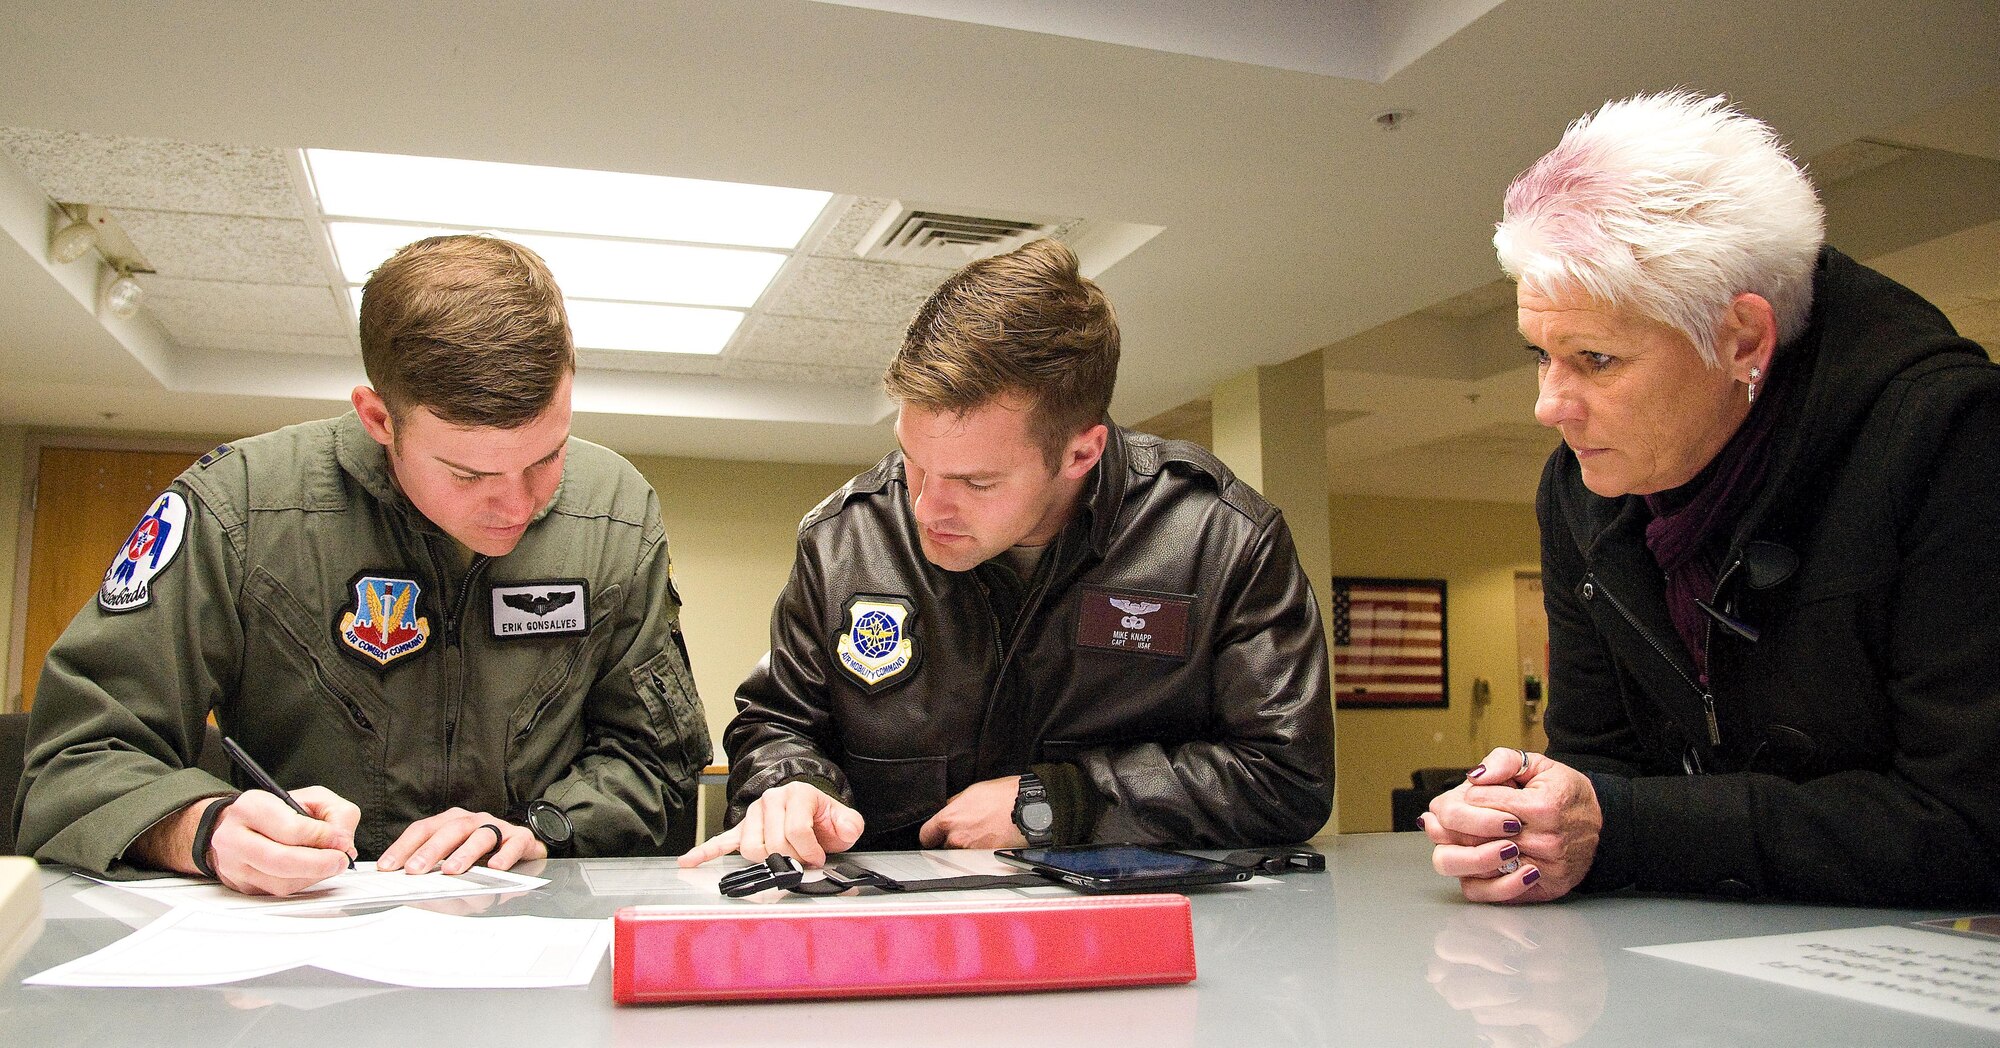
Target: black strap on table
[778, 871]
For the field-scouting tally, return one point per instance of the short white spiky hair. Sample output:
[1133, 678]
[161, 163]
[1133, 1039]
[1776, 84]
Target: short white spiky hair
[1669, 205]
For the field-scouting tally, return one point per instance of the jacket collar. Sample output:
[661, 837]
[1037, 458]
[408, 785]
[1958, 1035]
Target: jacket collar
[1104, 494]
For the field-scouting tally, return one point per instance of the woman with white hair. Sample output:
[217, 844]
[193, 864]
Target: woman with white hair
[1770, 544]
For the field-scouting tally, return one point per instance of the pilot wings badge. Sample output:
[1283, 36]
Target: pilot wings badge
[1135, 611]
[878, 647]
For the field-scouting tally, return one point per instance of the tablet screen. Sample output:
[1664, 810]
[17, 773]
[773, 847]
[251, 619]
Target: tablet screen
[1119, 861]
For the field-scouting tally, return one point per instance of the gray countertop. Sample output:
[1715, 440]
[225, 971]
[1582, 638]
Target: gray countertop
[1376, 951]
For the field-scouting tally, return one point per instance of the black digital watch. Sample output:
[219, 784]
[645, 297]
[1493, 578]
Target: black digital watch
[1032, 814]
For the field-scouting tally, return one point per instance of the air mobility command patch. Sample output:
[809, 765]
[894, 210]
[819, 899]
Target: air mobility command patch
[878, 647]
[147, 551]
[384, 625]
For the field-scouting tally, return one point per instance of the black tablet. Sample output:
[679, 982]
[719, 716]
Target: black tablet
[1123, 867]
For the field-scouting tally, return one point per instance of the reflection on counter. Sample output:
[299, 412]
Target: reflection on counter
[1529, 978]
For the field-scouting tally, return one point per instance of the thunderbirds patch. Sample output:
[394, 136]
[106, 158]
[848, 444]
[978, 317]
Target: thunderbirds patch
[148, 550]
[878, 646]
[541, 609]
[384, 625]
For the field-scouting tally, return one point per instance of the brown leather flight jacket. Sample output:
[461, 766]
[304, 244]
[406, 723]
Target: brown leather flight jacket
[1167, 646]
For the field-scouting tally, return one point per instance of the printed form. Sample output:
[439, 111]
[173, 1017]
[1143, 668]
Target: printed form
[403, 947]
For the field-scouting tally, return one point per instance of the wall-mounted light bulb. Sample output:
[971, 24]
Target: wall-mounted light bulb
[123, 297]
[72, 241]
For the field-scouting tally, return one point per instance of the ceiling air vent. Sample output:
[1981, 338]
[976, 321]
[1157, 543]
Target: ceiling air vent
[947, 238]
[927, 236]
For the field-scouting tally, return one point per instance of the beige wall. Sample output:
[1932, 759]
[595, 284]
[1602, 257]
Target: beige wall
[1476, 547]
[732, 528]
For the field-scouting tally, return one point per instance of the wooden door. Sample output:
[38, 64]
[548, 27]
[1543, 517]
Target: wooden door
[86, 504]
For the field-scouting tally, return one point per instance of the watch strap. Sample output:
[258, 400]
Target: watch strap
[204, 833]
[1030, 791]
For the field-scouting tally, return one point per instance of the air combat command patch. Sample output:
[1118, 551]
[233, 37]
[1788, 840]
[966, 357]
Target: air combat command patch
[878, 647]
[148, 550]
[384, 625]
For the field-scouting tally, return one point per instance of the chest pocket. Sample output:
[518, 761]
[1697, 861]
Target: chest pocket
[544, 731]
[287, 640]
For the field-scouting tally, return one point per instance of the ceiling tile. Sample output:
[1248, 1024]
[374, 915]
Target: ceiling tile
[157, 174]
[841, 238]
[257, 342]
[804, 340]
[850, 289]
[633, 360]
[225, 247]
[804, 374]
[201, 307]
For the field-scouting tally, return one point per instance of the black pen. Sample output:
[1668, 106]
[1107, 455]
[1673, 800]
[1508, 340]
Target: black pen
[263, 779]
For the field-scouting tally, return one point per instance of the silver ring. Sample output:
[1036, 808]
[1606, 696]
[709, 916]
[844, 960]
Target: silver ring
[1510, 865]
[1524, 765]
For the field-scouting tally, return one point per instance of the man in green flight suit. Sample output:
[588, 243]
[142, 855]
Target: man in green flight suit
[447, 625]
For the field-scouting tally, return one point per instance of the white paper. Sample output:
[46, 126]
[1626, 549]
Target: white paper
[403, 946]
[1930, 973]
[361, 886]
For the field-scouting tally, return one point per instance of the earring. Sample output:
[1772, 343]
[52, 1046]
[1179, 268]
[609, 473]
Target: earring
[1754, 373]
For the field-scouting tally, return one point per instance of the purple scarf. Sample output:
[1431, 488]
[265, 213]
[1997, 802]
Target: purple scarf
[1689, 530]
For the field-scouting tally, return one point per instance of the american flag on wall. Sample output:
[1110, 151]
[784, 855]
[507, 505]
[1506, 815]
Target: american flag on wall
[1388, 642]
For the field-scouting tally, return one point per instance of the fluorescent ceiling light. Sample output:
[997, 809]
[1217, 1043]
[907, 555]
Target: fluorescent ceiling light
[481, 195]
[646, 263]
[626, 270]
[650, 328]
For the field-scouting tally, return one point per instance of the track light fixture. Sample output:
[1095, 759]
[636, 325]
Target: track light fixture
[123, 296]
[75, 240]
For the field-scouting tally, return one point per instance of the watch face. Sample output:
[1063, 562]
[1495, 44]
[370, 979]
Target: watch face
[549, 822]
[1037, 817]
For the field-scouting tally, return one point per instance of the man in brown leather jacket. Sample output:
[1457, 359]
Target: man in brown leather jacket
[1028, 625]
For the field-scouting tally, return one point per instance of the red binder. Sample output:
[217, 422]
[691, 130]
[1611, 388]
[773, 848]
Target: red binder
[762, 952]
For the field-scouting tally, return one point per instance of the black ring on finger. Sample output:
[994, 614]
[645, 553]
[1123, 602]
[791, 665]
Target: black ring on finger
[497, 840]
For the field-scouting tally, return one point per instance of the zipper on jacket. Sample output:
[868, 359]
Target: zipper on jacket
[454, 625]
[455, 628]
[453, 637]
[1707, 652]
[1707, 697]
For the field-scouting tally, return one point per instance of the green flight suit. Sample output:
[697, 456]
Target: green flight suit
[338, 636]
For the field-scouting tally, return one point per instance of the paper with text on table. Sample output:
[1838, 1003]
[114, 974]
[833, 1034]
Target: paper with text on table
[361, 886]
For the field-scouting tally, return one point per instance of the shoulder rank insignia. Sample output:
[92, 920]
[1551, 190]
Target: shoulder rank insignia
[148, 550]
[384, 625]
[878, 646]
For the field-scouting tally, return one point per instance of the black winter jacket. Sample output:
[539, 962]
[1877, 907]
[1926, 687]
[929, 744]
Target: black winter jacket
[1168, 647]
[1855, 750]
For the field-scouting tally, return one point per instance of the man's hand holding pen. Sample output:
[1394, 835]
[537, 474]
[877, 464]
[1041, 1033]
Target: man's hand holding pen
[260, 846]
[256, 843]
